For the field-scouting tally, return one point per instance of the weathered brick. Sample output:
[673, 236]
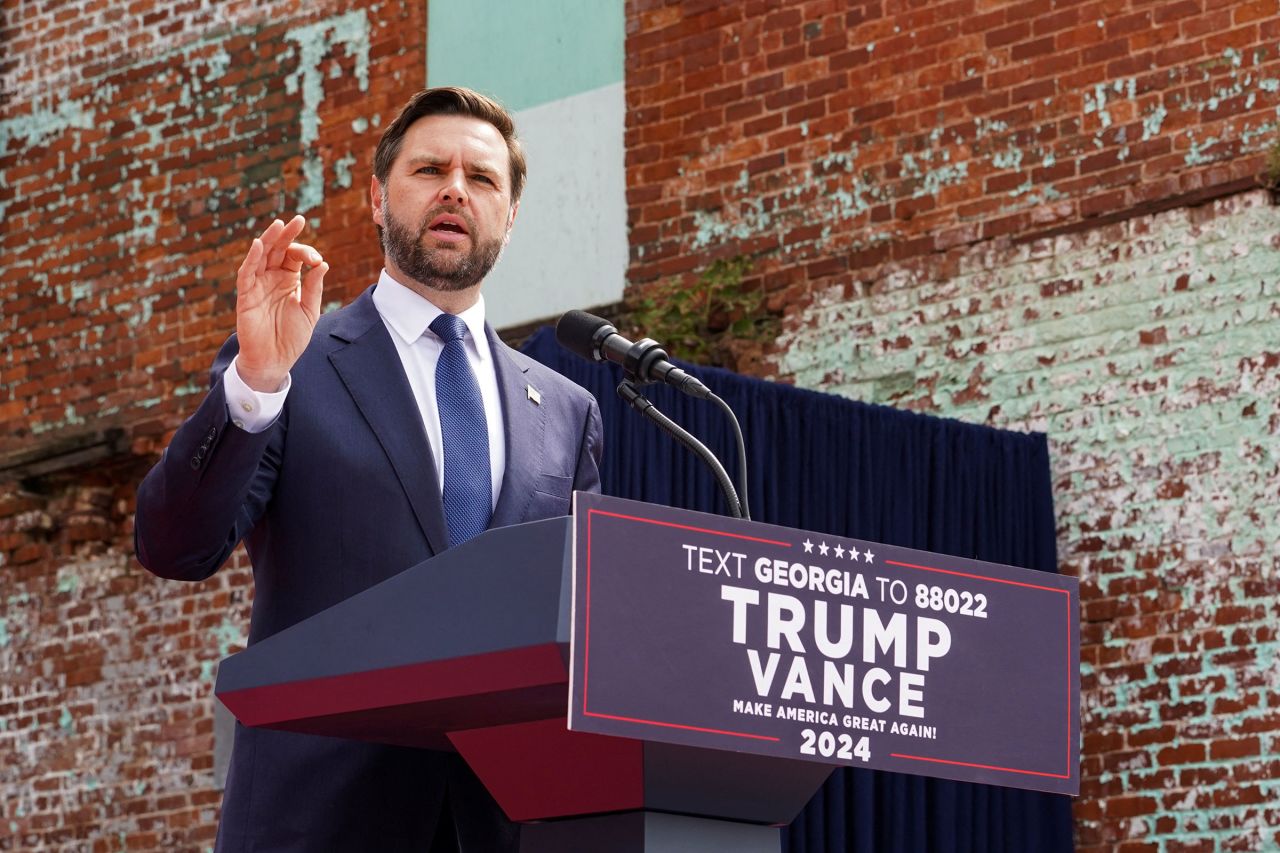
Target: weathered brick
[1119, 338]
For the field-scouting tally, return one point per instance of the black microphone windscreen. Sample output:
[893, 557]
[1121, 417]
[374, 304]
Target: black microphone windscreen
[576, 332]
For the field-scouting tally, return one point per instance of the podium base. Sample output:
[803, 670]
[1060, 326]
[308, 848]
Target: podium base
[648, 832]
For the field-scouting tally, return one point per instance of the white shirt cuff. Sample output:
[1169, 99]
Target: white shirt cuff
[250, 410]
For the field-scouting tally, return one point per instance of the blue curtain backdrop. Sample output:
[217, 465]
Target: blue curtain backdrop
[832, 465]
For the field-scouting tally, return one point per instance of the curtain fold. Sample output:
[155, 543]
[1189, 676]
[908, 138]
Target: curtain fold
[831, 465]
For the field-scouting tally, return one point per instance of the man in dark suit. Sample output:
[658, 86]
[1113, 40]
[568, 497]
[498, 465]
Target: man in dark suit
[346, 448]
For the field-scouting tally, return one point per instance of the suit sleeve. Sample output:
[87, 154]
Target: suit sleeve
[586, 477]
[210, 486]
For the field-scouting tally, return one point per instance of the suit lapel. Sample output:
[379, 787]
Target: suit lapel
[370, 368]
[524, 424]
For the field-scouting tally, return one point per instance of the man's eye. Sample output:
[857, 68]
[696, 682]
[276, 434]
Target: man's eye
[429, 170]
[484, 178]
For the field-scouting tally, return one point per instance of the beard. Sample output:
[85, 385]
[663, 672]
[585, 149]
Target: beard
[444, 267]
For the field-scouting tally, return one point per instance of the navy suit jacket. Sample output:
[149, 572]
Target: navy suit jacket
[339, 494]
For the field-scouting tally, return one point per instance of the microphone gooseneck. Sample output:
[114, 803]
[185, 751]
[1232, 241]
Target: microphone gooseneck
[628, 391]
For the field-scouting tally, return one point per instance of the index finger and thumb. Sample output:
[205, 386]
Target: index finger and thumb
[302, 254]
[281, 232]
[279, 236]
[270, 252]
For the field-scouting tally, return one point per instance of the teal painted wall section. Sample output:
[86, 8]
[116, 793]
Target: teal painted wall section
[525, 53]
[558, 66]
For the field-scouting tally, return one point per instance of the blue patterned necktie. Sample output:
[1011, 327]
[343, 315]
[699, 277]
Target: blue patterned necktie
[468, 494]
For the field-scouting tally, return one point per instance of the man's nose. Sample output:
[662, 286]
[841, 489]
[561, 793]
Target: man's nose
[455, 187]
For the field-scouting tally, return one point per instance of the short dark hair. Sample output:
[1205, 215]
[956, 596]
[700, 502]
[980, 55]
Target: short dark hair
[450, 100]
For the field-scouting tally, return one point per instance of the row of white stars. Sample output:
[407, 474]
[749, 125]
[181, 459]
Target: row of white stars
[840, 551]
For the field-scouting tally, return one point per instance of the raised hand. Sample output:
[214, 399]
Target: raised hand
[276, 305]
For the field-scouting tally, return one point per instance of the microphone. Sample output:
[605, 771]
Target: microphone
[596, 339]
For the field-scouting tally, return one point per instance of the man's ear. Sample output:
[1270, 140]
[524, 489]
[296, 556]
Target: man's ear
[511, 220]
[375, 200]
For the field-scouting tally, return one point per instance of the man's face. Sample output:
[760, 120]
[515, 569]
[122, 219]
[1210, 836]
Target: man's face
[445, 208]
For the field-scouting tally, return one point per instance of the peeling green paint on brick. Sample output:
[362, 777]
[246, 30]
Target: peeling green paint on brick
[342, 170]
[228, 634]
[1097, 103]
[45, 121]
[314, 42]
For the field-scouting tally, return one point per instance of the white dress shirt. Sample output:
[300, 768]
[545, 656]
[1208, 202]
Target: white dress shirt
[407, 317]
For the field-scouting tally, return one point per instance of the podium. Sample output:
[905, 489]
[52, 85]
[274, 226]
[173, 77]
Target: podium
[470, 651]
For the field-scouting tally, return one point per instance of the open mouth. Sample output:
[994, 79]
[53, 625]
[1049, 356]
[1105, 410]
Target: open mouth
[448, 228]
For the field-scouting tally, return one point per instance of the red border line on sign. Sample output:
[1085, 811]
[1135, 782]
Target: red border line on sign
[1069, 669]
[678, 726]
[980, 766]
[587, 647]
[1067, 596]
[586, 639]
[685, 527]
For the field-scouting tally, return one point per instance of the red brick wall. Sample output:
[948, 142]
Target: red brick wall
[824, 137]
[142, 146]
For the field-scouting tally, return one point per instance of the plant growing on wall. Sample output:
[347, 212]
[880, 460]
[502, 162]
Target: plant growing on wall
[709, 321]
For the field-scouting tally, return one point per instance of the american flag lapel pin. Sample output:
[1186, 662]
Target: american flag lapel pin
[534, 395]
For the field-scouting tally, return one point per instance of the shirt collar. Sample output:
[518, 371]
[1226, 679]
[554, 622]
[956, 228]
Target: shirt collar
[409, 315]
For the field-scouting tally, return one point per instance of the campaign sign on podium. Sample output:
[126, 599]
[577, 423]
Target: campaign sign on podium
[709, 631]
